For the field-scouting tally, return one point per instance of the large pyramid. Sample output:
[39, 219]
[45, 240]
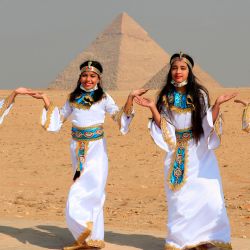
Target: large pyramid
[159, 79]
[129, 56]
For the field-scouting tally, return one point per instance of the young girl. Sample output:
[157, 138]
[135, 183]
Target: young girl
[183, 125]
[245, 115]
[87, 106]
[7, 103]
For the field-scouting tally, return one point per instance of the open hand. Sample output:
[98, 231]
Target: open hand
[23, 91]
[145, 102]
[37, 95]
[138, 92]
[224, 98]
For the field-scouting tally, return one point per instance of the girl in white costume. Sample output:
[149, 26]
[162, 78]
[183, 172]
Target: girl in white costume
[183, 125]
[245, 115]
[7, 103]
[87, 106]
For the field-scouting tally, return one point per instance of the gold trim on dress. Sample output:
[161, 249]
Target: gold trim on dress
[180, 110]
[246, 119]
[48, 116]
[117, 117]
[190, 102]
[85, 107]
[217, 126]
[128, 112]
[183, 129]
[165, 133]
[219, 244]
[80, 106]
[95, 243]
[80, 243]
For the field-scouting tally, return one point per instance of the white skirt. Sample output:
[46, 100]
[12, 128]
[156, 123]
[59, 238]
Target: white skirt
[196, 212]
[84, 210]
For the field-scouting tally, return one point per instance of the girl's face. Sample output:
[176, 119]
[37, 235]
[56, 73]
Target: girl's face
[179, 71]
[89, 79]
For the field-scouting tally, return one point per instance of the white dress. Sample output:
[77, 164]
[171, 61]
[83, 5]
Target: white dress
[196, 209]
[84, 209]
[3, 109]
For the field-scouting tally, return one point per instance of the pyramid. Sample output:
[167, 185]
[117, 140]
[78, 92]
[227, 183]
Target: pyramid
[159, 79]
[129, 56]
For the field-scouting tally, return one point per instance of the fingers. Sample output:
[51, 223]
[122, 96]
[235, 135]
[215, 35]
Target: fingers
[241, 102]
[138, 99]
[140, 92]
[144, 90]
[232, 96]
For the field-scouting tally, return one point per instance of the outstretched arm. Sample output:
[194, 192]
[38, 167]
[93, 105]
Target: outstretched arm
[243, 102]
[6, 104]
[41, 95]
[52, 117]
[129, 103]
[18, 91]
[221, 99]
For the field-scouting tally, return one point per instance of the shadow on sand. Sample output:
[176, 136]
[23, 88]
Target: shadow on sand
[54, 237]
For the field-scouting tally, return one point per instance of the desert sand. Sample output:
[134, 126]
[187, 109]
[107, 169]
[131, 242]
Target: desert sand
[36, 175]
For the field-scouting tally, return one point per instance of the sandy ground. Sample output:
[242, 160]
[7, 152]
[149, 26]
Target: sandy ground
[36, 174]
[20, 234]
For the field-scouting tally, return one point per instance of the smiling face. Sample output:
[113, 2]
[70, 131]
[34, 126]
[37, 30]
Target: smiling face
[179, 71]
[89, 79]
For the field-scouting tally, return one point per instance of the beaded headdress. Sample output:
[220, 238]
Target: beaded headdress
[181, 58]
[90, 68]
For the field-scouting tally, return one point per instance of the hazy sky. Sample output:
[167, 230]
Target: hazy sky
[40, 37]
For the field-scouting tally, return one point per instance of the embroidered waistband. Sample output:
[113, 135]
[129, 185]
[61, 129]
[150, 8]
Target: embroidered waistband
[184, 135]
[91, 133]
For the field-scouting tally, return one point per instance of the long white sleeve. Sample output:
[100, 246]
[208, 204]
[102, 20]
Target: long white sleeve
[53, 118]
[118, 115]
[163, 137]
[3, 109]
[212, 131]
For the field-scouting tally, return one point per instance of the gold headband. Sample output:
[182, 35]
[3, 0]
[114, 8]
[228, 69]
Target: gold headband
[183, 59]
[90, 68]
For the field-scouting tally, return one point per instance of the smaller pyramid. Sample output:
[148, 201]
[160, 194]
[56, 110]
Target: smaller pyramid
[159, 79]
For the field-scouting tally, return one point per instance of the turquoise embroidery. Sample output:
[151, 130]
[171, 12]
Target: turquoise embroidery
[85, 101]
[178, 171]
[179, 100]
[87, 134]
[84, 136]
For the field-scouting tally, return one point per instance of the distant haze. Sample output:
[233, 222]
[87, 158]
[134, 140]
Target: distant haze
[40, 38]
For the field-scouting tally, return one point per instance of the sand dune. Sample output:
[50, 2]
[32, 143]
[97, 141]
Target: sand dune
[36, 174]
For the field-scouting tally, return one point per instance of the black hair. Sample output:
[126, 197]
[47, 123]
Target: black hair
[98, 94]
[198, 93]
